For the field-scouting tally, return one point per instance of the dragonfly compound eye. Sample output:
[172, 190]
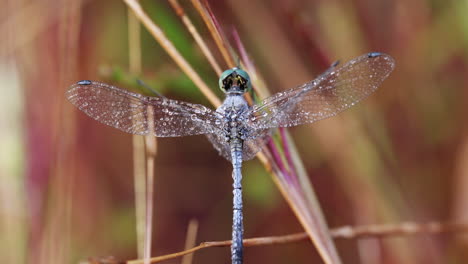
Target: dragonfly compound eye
[234, 80]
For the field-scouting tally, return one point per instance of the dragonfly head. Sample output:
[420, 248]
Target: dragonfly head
[234, 81]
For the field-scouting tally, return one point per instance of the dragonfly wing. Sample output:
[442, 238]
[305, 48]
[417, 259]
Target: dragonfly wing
[332, 92]
[220, 144]
[132, 113]
[251, 146]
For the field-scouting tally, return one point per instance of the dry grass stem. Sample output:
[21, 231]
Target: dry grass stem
[198, 39]
[134, 43]
[139, 182]
[345, 232]
[190, 240]
[150, 142]
[215, 33]
[172, 51]
[138, 143]
[401, 229]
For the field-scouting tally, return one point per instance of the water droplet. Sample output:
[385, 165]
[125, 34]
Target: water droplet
[374, 54]
[84, 82]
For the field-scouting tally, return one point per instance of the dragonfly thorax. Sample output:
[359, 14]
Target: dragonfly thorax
[234, 111]
[234, 128]
[234, 81]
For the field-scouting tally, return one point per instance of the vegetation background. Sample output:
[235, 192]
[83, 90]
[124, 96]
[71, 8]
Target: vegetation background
[66, 183]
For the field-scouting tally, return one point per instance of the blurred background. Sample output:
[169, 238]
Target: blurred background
[66, 181]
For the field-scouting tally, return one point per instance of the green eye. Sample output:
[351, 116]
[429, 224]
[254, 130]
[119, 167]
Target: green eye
[244, 75]
[235, 74]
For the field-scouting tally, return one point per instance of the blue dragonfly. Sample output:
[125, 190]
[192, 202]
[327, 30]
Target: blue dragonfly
[236, 129]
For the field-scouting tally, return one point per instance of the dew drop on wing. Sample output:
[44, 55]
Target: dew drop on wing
[331, 93]
[84, 82]
[373, 54]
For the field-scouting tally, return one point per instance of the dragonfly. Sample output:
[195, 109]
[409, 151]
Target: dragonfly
[237, 130]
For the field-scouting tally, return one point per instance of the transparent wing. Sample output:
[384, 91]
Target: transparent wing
[131, 112]
[252, 145]
[332, 92]
[220, 144]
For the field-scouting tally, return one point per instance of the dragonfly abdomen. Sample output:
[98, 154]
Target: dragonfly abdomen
[237, 247]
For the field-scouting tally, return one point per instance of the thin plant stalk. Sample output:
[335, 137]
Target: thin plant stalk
[134, 43]
[196, 36]
[150, 146]
[344, 232]
[190, 241]
[167, 45]
[138, 144]
[215, 33]
[150, 143]
[139, 174]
